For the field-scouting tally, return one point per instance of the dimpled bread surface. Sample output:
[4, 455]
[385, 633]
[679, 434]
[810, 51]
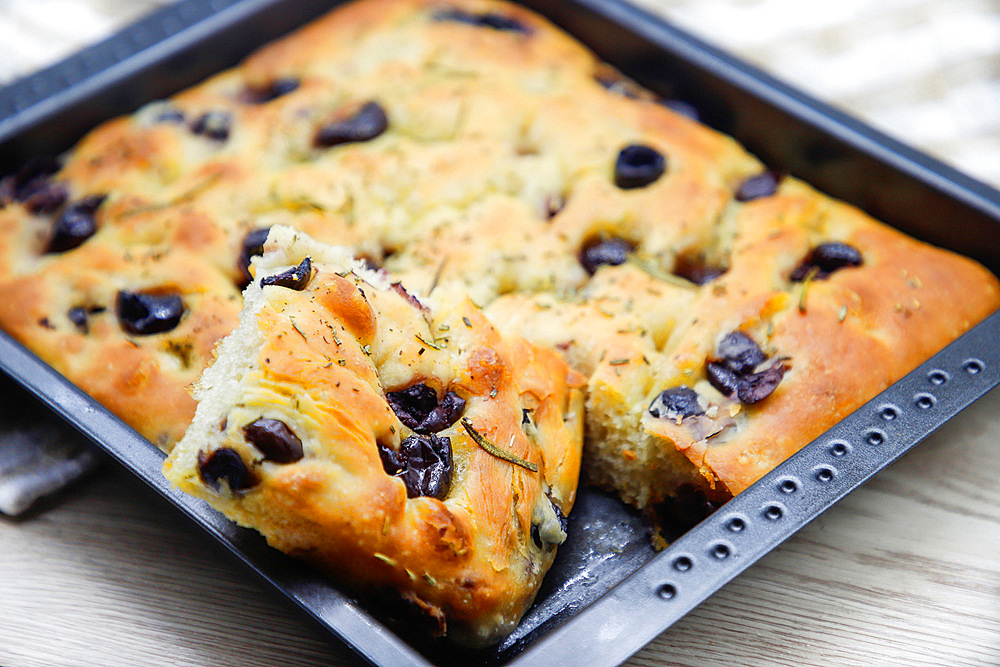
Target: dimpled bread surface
[321, 360]
[495, 170]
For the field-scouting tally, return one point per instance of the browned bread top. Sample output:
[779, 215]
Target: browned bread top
[396, 444]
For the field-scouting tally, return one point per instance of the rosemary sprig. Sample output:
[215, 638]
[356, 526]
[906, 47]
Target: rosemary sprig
[182, 198]
[385, 559]
[437, 275]
[492, 449]
[648, 267]
[428, 343]
[804, 293]
[295, 204]
[296, 327]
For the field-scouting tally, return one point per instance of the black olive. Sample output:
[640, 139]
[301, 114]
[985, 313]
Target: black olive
[428, 466]
[827, 258]
[443, 415]
[740, 353]
[398, 288]
[694, 268]
[722, 378]
[424, 464]
[367, 123]
[536, 536]
[272, 91]
[563, 520]
[492, 20]
[676, 402]
[295, 278]
[225, 464]
[144, 314]
[80, 316]
[604, 251]
[214, 125]
[253, 245]
[29, 178]
[170, 115]
[732, 371]
[413, 404]
[763, 184]
[758, 386]
[44, 196]
[274, 439]
[283, 86]
[683, 108]
[75, 224]
[614, 81]
[637, 166]
[418, 408]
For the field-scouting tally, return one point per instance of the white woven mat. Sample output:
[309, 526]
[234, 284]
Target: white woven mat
[924, 71]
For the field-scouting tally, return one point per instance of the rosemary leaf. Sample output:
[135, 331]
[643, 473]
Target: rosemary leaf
[493, 450]
[437, 275]
[648, 267]
[804, 292]
[385, 559]
[428, 344]
[182, 198]
[296, 327]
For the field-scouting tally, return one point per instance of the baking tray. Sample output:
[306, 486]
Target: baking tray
[608, 593]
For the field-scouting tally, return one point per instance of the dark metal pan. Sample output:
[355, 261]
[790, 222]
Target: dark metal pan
[608, 593]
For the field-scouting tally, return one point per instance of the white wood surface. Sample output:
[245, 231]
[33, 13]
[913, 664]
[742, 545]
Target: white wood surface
[905, 571]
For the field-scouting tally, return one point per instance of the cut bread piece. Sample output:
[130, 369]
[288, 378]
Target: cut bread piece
[395, 443]
[701, 382]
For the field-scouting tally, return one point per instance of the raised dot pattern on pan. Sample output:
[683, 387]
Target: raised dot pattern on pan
[808, 483]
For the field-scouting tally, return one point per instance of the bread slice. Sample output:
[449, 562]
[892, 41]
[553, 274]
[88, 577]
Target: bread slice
[395, 443]
[699, 386]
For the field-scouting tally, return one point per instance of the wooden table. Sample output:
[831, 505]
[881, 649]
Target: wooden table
[906, 570]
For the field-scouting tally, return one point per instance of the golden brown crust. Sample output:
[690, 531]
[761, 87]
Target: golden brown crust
[321, 360]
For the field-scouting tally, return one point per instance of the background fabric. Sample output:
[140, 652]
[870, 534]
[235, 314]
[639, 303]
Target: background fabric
[924, 71]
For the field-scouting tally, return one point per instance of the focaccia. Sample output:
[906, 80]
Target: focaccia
[396, 443]
[723, 314]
